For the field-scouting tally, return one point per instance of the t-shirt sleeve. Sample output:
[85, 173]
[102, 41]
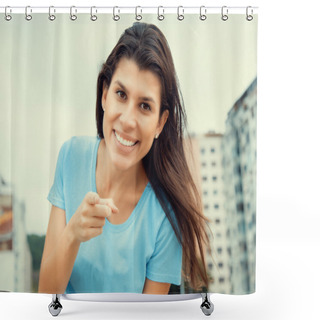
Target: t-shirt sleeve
[166, 261]
[56, 194]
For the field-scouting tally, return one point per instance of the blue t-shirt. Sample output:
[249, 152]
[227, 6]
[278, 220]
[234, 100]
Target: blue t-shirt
[120, 259]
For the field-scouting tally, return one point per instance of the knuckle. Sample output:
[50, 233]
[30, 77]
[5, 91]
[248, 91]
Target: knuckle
[90, 197]
[84, 212]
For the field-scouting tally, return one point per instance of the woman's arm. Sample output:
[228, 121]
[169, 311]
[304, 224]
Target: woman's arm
[153, 287]
[59, 253]
[63, 240]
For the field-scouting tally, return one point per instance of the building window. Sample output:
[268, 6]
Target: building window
[253, 218]
[210, 265]
[221, 280]
[214, 178]
[215, 191]
[236, 150]
[213, 163]
[204, 178]
[203, 150]
[206, 207]
[205, 192]
[219, 250]
[220, 264]
[216, 206]
[238, 188]
[243, 246]
[203, 164]
[212, 150]
[217, 221]
[240, 207]
[241, 226]
[244, 265]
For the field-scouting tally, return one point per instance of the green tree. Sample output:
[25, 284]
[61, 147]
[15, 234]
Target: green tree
[36, 244]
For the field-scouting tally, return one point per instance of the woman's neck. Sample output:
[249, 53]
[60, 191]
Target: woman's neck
[115, 183]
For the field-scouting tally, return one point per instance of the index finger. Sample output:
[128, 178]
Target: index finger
[109, 203]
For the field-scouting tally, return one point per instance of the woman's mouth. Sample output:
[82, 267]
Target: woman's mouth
[124, 142]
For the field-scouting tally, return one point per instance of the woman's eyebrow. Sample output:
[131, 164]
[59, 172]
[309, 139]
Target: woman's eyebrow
[123, 87]
[147, 99]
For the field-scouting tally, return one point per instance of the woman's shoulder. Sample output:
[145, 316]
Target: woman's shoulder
[79, 146]
[155, 207]
[156, 214]
[81, 143]
[162, 213]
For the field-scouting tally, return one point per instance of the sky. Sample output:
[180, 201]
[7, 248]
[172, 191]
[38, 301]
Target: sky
[47, 86]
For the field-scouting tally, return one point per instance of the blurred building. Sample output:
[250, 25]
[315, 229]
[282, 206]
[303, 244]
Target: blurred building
[224, 168]
[15, 256]
[207, 172]
[213, 205]
[239, 162]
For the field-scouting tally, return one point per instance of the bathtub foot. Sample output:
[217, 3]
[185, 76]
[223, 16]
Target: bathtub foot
[55, 306]
[206, 306]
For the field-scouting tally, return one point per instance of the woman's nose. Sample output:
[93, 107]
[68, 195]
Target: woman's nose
[128, 117]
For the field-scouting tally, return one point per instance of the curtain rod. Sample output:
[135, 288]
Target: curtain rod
[128, 9]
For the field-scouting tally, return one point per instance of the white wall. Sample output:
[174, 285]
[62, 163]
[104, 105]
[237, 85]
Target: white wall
[6, 274]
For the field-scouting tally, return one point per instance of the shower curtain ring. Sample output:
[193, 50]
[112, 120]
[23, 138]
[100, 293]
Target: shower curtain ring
[224, 13]
[180, 15]
[160, 16]
[203, 12]
[7, 16]
[249, 16]
[28, 16]
[73, 17]
[138, 16]
[93, 17]
[52, 16]
[116, 17]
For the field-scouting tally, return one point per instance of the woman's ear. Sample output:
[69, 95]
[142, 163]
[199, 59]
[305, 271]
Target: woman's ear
[104, 96]
[162, 122]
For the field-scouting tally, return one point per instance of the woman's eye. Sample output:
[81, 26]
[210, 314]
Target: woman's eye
[145, 106]
[121, 94]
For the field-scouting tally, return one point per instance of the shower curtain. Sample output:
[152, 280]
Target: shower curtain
[48, 81]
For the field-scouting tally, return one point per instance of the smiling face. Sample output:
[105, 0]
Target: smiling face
[131, 114]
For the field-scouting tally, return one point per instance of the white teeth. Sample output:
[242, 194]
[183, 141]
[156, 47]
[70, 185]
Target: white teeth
[124, 142]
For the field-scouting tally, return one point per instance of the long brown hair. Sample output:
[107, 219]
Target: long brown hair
[165, 164]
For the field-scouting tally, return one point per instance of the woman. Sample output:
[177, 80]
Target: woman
[126, 215]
